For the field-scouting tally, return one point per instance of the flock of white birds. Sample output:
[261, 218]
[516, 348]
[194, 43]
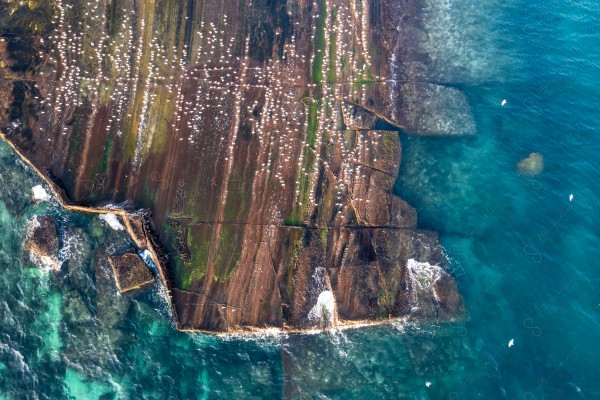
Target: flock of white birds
[139, 61]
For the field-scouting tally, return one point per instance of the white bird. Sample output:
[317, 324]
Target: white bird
[511, 343]
[427, 383]
[503, 103]
[570, 197]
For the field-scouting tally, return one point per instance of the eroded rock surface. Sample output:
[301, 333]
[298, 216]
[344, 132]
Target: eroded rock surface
[130, 271]
[251, 132]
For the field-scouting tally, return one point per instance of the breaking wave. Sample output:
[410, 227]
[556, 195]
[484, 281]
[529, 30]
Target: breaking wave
[113, 221]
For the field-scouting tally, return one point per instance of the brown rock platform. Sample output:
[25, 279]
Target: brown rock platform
[130, 271]
[262, 135]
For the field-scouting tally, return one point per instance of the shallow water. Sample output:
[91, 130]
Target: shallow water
[525, 257]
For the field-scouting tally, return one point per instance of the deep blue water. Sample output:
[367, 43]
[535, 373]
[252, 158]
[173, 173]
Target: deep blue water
[527, 259]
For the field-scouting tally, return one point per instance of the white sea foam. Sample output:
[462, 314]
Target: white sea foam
[39, 193]
[113, 221]
[422, 276]
[72, 246]
[324, 310]
[112, 206]
[270, 337]
[161, 297]
[147, 257]
[46, 264]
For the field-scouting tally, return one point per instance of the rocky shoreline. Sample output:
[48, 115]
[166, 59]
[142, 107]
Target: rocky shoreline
[139, 227]
[133, 220]
[263, 138]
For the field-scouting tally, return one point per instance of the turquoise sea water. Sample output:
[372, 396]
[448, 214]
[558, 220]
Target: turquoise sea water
[527, 259]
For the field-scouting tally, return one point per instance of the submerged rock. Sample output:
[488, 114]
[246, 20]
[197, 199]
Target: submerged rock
[532, 165]
[130, 271]
[436, 110]
[111, 310]
[43, 241]
[423, 109]
[74, 309]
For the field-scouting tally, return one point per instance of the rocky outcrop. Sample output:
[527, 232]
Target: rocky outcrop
[130, 271]
[255, 133]
[43, 241]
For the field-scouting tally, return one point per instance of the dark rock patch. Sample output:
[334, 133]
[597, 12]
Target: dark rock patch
[43, 241]
[130, 271]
